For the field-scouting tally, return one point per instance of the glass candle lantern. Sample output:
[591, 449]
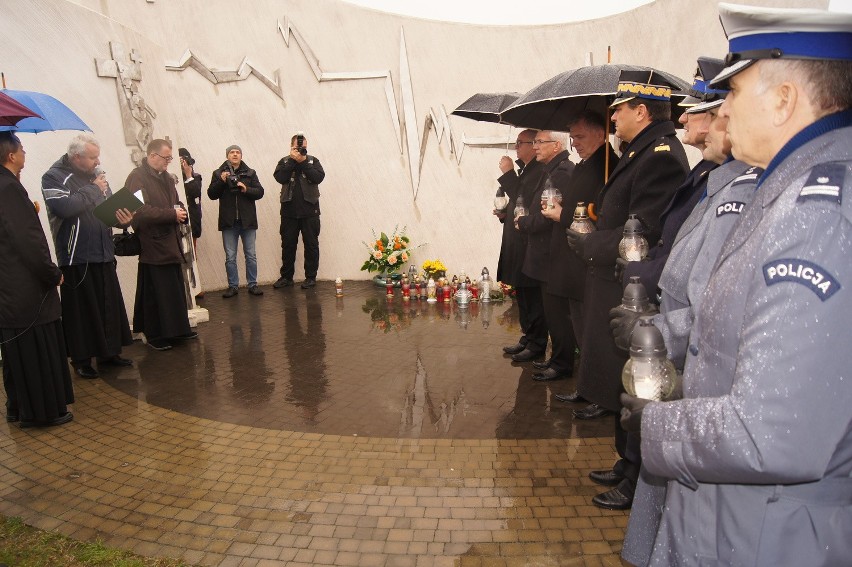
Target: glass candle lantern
[501, 201]
[406, 288]
[463, 296]
[582, 223]
[389, 287]
[633, 246]
[649, 374]
[430, 291]
[550, 197]
[338, 286]
[635, 297]
[520, 209]
[485, 286]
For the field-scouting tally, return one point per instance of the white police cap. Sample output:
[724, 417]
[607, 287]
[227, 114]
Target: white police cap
[756, 33]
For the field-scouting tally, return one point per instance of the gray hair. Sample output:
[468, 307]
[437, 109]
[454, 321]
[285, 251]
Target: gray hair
[77, 145]
[560, 137]
[827, 84]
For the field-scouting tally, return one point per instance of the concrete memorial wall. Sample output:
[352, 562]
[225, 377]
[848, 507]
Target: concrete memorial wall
[372, 91]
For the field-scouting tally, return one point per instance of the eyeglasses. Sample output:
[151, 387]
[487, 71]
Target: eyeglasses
[520, 143]
[540, 142]
[168, 159]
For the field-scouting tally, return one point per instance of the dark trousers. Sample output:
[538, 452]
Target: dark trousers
[557, 311]
[531, 316]
[309, 227]
[629, 446]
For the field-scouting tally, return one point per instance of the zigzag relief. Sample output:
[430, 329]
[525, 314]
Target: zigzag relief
[439, 122]
[241, 73]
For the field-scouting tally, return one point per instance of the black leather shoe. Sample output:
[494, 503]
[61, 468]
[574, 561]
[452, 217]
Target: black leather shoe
[187, 336]
[86, 371]
[116, 360]
[591, 411]
[571, 398]
[230, 292]
[308, 283]
[282, 282]
[613, 500]
[12, 416]
[541, 364]
[64, 418]
[514, 349]
[159, 344]
[550, 374]
[254, 290]
[526, 355]
[606, 478]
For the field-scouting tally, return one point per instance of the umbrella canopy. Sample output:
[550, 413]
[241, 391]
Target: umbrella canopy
[12, 111]
[53, 114]
[485, 107]
[557, 101]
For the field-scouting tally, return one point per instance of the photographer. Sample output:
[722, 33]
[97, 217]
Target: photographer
[299, 175]
[237, 187]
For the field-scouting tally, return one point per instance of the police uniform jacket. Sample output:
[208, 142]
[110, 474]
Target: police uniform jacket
[566, 272]
[235, 205]
[694, 251]
[155, 221]
[514, 245]
[681, 205]
[761, 442]
[652, 167]
[538, 228]
[28, 295]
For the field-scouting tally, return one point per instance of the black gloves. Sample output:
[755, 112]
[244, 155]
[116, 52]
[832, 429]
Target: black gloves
[631, 412]
[576, 240]
[622, 321]
[620, 265]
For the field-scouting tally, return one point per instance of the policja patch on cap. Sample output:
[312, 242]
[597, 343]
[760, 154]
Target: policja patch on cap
[649, 85]
[773, 33]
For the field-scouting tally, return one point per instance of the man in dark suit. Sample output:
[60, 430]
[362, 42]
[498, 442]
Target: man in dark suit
[651, 168]
[550, 151]
[566, 274]
[514, 247]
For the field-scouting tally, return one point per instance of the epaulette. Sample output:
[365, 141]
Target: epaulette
[824, 183]
[663, 148]
[748, 176]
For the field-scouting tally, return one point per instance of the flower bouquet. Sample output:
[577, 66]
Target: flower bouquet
[434, 268]
[387, 254]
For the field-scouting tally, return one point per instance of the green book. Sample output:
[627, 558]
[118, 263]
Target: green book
[121, 199]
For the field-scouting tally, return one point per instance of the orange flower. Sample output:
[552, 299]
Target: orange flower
[396, 246]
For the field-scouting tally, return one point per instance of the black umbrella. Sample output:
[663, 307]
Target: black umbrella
[557, 101]
[485, 107]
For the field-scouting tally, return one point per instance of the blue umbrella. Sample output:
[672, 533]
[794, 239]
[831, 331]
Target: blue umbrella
[56, 116]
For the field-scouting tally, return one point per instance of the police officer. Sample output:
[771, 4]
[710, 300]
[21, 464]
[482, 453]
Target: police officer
[651, 168]
[760, 447]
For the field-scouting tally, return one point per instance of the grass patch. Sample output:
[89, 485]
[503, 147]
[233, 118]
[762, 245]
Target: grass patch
[24, 546]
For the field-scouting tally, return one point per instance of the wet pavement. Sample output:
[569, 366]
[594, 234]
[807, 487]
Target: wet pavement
[305, 429]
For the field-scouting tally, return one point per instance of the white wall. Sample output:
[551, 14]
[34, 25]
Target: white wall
[51, 46]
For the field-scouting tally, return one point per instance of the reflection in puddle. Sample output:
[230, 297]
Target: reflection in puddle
[418, 404]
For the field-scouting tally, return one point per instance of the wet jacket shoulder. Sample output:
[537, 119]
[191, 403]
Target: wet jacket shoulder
[155, 221]
[28, 294]
[652, 167]
[233, 203]
[70, 198]
[309, 174]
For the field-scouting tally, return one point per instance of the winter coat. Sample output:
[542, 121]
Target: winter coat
[514, 243]
[155, 222]
[536, 226]
[759, 451]
[233, 203]
[71, 197]
[28, 295]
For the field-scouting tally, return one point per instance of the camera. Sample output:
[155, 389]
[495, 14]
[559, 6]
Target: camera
[188, 160]
[232, 181]
[300, 143]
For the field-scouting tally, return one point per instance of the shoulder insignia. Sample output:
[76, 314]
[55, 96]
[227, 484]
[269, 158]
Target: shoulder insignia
[824, 183]
[802, 272]
[631, 154]
[729, 208]
[663, 148]
[703, 173]
[748, 176]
